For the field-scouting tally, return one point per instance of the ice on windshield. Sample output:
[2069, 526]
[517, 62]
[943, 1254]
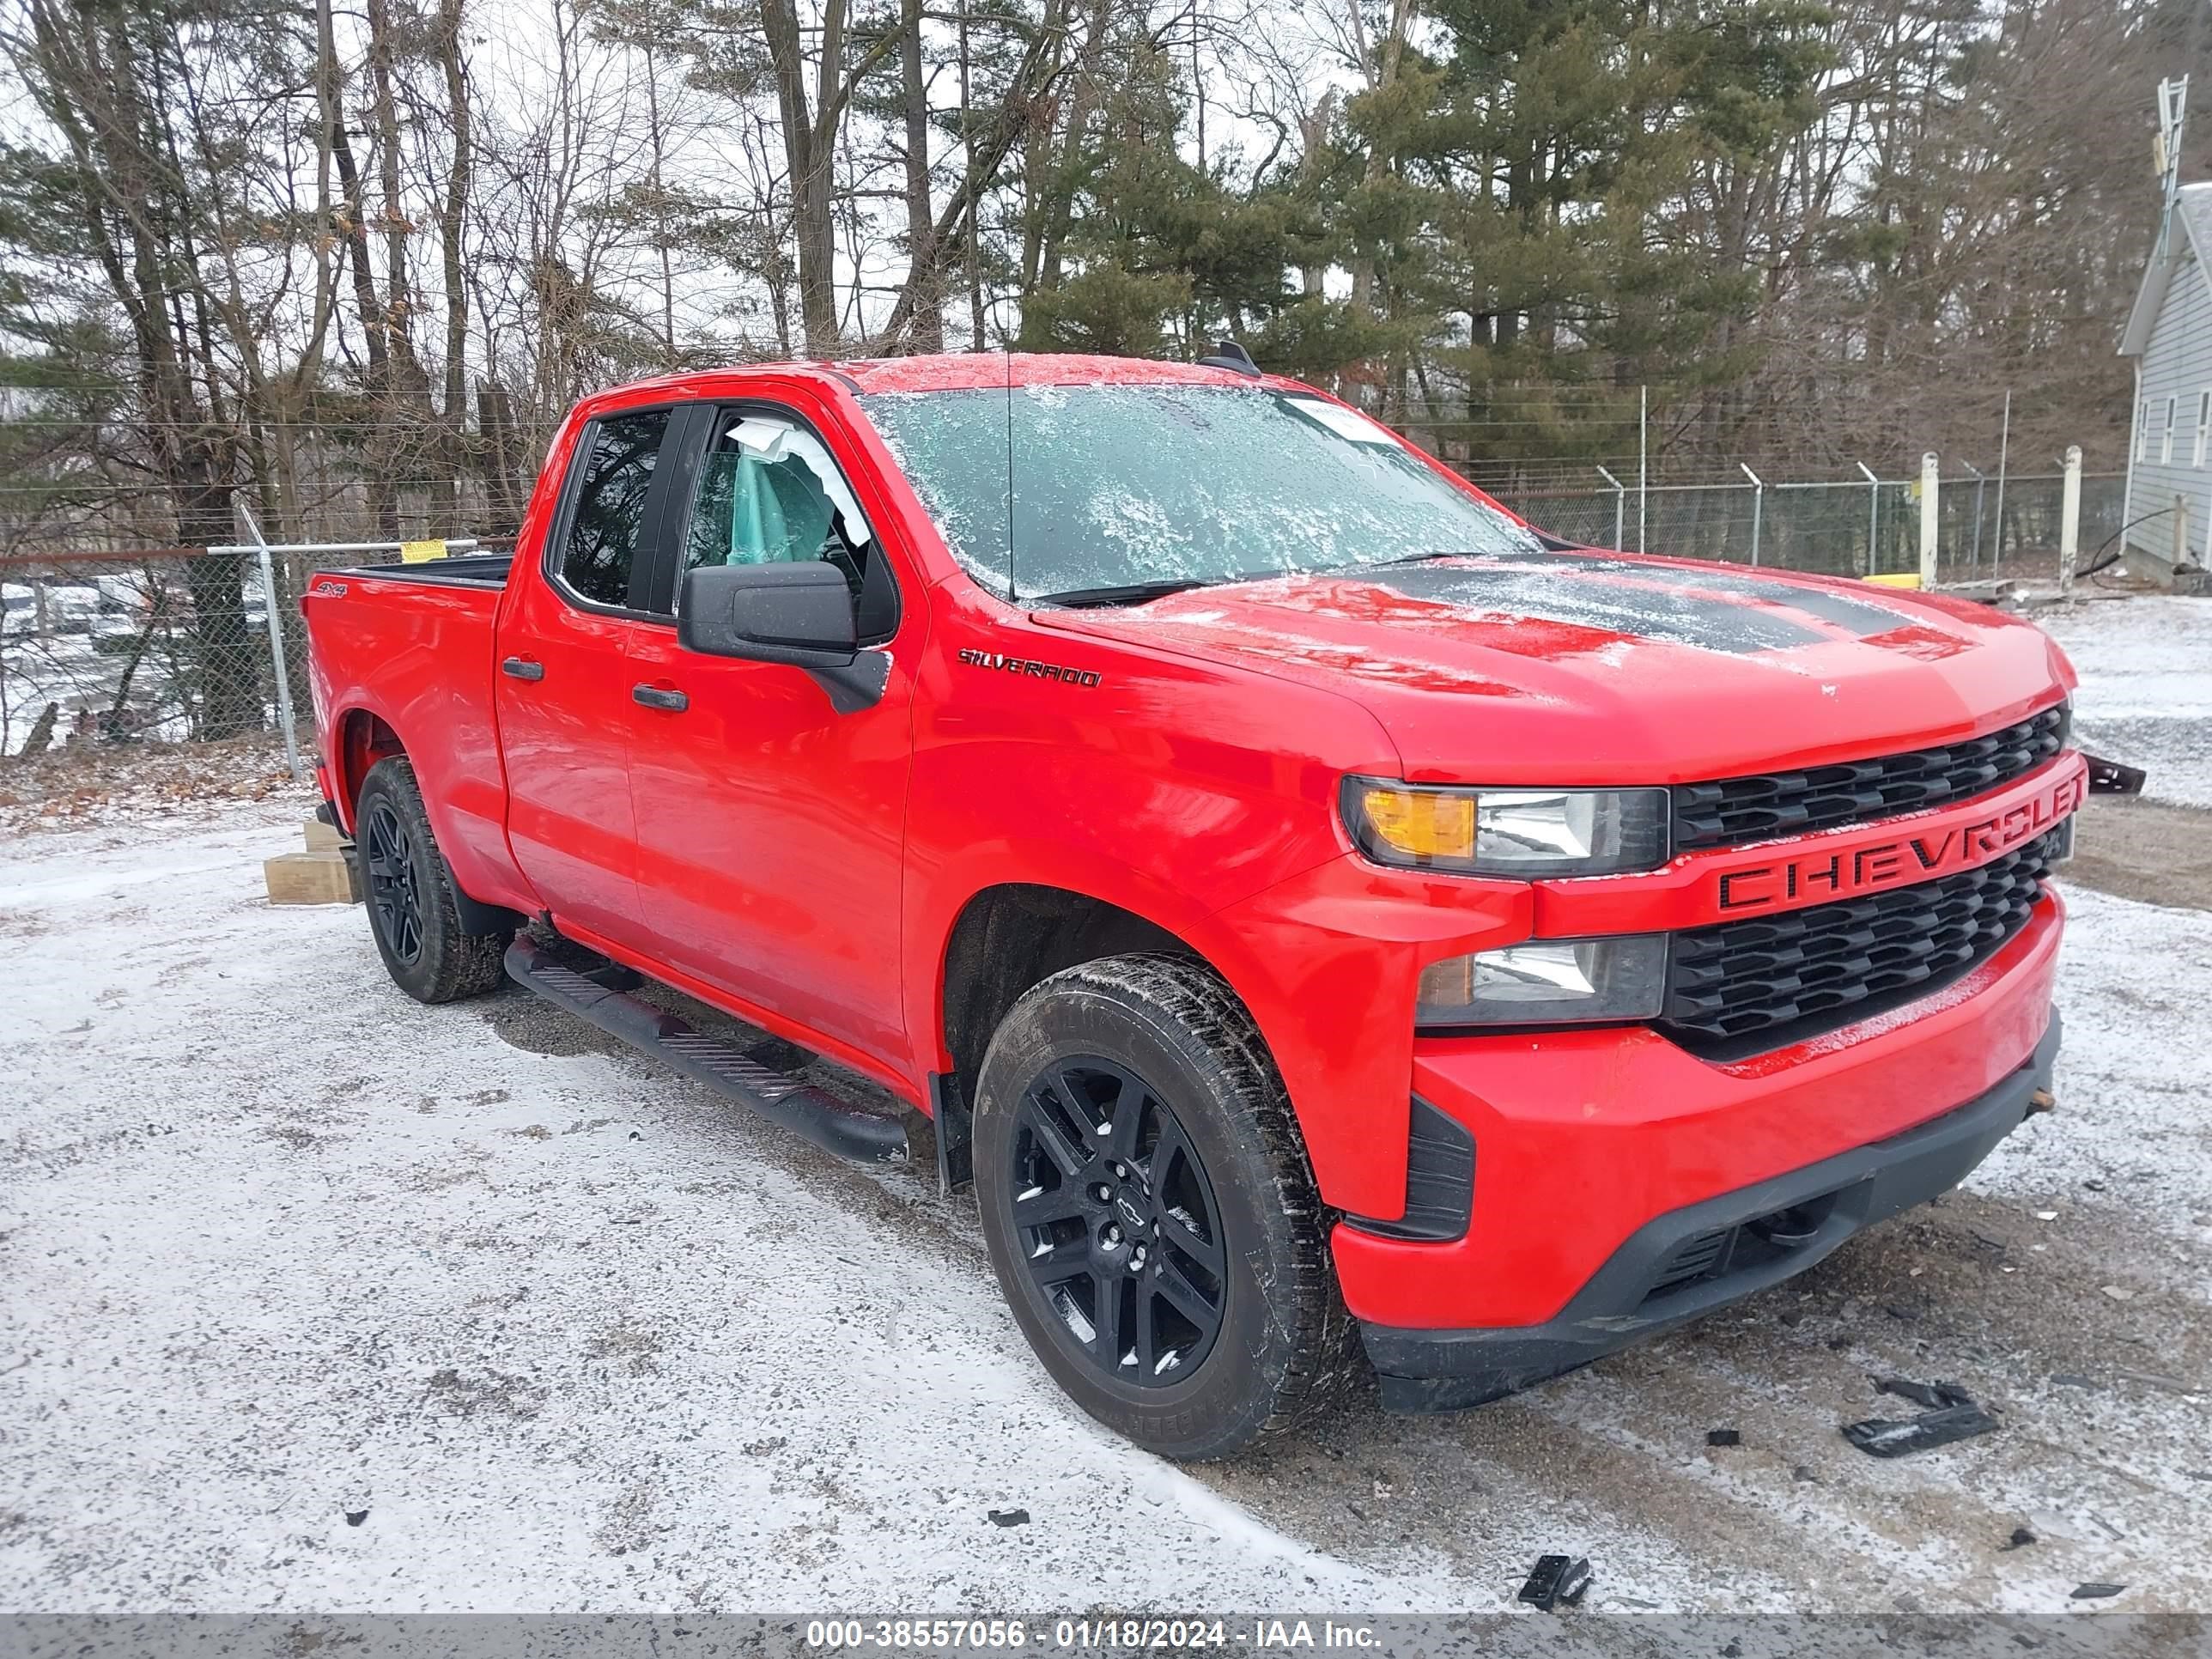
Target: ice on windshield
[1053, 489]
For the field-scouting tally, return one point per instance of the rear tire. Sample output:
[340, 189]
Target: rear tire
[410, 892]
[1149, 1211]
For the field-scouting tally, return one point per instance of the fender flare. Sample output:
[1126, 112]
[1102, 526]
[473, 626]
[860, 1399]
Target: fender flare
[476, 918]
[976, 870]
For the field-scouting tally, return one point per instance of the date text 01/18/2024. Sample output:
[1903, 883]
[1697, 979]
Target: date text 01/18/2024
[1086, 1634]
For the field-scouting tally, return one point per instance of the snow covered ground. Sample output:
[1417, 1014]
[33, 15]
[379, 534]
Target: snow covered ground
[281, 1246]
[312, 1298]
[2146, 692]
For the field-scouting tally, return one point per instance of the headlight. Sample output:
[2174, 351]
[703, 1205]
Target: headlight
[1547, 982]
[1507, 832]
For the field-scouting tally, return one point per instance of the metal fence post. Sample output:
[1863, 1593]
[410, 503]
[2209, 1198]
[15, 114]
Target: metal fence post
[1974, 559]
[2004, 455]
[273, 611]
[1619, 508]
[1874, 512]
[1930, 482]
[2070, 518]
[1758, 501]
[1643, 464]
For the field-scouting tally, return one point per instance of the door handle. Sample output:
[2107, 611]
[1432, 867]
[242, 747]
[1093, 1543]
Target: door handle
[660, 697]
[522, 668]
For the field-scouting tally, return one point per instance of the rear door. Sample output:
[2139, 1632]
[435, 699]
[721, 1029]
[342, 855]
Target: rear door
[770, 828]
[564, 677]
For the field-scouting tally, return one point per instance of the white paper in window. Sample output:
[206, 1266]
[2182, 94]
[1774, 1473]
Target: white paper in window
[1345, 422]
[780, 441]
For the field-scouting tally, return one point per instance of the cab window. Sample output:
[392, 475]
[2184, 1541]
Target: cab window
[770, 493]
[607, 521]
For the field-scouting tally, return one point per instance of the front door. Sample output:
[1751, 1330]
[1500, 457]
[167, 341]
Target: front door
[770, 826]
[564, 681]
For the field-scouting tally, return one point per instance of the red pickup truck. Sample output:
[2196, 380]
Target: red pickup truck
[1321, 913]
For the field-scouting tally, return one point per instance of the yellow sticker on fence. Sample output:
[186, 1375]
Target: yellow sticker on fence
[421, 552]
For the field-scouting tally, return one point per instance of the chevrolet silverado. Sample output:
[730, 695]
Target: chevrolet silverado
[1330, 921]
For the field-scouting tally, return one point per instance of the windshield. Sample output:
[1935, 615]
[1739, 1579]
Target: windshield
[1053, 491]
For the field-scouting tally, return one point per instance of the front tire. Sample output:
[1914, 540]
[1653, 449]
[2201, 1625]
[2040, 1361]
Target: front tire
[1149, 1211]
[411, 912]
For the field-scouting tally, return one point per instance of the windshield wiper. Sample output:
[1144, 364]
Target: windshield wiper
[1413, 558]
[1357, 567]
[1119, 593]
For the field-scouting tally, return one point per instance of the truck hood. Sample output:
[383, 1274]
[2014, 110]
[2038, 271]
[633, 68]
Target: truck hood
[1552, 667]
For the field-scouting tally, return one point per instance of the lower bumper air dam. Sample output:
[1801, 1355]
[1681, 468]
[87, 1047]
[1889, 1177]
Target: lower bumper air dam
[1692, 1260]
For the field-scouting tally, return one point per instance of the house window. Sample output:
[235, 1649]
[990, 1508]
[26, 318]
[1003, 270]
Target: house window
[2204, 423]
[2143, 431]
[2165, 437]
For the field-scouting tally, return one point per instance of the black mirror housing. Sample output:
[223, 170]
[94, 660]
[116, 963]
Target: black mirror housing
[801, 615]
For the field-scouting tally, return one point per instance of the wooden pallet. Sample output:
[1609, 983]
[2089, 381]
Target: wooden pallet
[323, 873]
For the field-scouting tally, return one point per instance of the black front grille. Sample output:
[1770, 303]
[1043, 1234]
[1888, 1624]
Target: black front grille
[1756, 984]
[1732, 810]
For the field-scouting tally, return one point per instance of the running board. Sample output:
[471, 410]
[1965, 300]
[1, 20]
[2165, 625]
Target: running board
[818, 1116]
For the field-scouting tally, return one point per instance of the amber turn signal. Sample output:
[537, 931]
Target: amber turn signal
[1518, 831]
[1422, 824]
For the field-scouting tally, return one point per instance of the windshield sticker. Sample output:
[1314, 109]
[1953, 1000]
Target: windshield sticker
[1345, 422]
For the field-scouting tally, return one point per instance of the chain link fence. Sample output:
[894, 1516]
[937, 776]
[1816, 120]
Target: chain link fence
[182, 644]
[173, 645]
[162, 649]
[1984, 527]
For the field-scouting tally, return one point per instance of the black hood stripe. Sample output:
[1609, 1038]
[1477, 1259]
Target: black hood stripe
[1861, 618]
[1711, 610]
[1583, 600]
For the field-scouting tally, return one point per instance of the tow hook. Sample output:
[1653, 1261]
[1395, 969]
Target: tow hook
[2042, 1101]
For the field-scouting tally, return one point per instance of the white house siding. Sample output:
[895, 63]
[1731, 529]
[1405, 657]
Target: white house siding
[2178, 365]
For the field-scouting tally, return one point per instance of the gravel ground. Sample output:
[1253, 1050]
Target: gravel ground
[313, 1298]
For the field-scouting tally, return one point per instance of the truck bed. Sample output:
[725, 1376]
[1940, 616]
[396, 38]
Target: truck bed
[475, 570]
[411, 646]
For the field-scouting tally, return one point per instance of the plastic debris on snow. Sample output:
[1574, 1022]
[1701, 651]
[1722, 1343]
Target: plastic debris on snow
[1879, 1436]
[1556, 1581]
[1933, 1395]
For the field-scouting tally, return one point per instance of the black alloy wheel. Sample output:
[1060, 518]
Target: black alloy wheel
[1149, 1212]
[413, 915]
[1116, 1221]
[394, 893]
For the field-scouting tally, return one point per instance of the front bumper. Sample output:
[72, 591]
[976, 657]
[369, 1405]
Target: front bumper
[1583, 1137]
[1692, 1260]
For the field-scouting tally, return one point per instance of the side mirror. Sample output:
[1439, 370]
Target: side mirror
[801, 615]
